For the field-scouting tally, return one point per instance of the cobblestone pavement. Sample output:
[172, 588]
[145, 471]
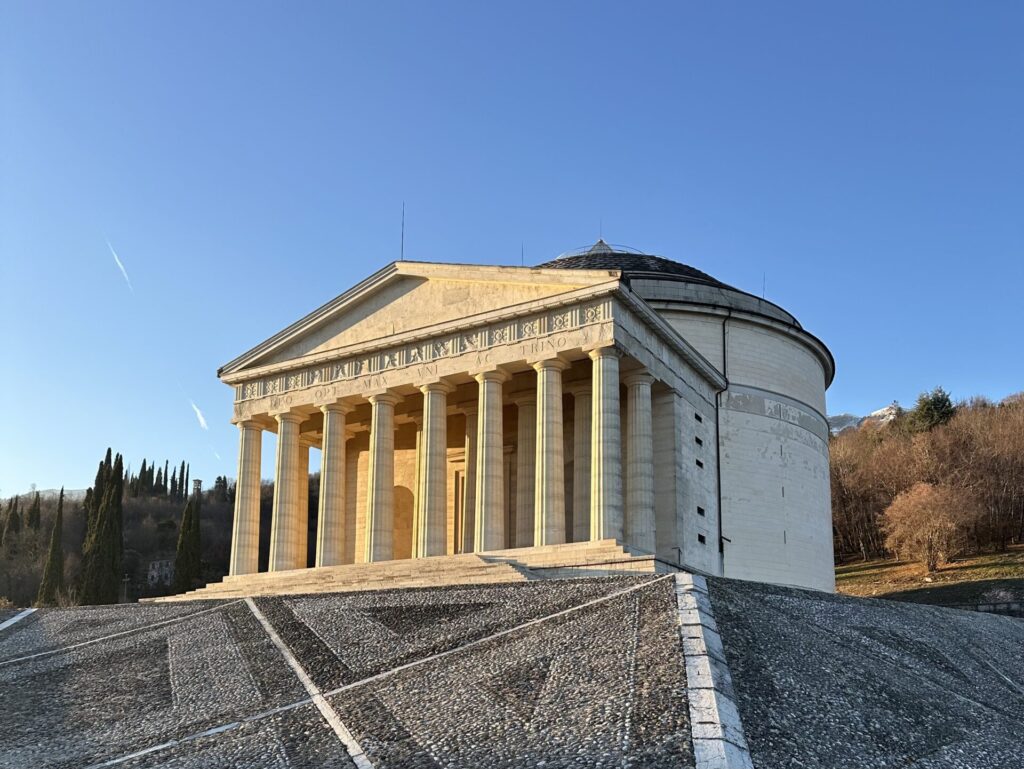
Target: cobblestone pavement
[832, 681]
[597, 686]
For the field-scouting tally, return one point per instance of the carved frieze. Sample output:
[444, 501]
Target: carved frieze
[504, 340]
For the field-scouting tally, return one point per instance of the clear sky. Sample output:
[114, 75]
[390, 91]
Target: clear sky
[248, 162]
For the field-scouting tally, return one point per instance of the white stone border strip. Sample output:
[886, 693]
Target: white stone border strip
[330, 715]
[715, 725]
[20, 615]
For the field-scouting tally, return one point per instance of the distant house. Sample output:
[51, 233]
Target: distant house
[160, 572]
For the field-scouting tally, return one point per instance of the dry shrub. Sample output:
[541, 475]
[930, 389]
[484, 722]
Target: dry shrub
[930, 523]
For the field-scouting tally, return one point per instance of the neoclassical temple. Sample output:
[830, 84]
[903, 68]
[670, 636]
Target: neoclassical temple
[607, 394]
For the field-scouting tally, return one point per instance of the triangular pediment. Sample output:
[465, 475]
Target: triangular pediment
[408, 296]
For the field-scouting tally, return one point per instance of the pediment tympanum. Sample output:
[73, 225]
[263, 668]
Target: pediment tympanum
[409, 296]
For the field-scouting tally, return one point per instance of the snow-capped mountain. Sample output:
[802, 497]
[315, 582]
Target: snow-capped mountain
[840, 422]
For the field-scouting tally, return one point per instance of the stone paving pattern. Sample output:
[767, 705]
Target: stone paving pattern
[601, 686]
[820, 680]
[831, 681]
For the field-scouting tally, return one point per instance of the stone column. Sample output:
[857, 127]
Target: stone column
[245, 537]
[490, 482]
[581, 462]
[670, 508]
[416, 490]
[639, 462]
[284, 524]
[432, 500]
[380, 481]
[330, 525]
[605, 456]
[549, 497]
[469, 502]
[526, 465]
[302, 505]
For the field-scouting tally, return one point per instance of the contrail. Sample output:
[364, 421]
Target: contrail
[199, 415]
[121, 267]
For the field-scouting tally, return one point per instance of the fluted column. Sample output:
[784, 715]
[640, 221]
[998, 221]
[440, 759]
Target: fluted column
[605, 456]
[581, 462]
[549, 497]
[302, 505]
[469, 500]
[245, 535]
[330, 525]
[490, 481]
[416, 491]
[283, 525]
[639, 462]
[526, 466]
[432, 500]
[380, 480]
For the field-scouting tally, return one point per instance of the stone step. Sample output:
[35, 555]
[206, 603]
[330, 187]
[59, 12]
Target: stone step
[568, 560]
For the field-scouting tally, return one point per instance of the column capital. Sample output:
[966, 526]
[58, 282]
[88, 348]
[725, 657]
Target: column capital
[606, 351]
[493, 375]
[640, 377]
[439, 386]
[288, 416]
[524, 399]
[337, 407]
[470, 410]
[249, 424]
[550, 363]
[387, 396]
[576, 389]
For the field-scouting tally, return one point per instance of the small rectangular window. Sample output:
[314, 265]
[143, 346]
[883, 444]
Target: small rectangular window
[702, 539]
[698, 417]
[698, 440]
[699, 463]
[700, 510]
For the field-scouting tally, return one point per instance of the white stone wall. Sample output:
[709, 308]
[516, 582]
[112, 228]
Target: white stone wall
[776, 505]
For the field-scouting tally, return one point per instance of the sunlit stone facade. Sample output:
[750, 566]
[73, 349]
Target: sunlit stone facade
[604, 395]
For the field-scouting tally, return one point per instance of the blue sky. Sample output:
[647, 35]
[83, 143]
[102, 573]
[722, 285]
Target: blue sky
[248, 162]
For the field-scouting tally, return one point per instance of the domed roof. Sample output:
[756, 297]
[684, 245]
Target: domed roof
[602, 256]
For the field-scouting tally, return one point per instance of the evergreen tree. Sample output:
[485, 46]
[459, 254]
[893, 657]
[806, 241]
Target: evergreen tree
[52, 586]
[98, 490]
[101, 554]
[188, 489]
[33, 514]
[187, 565]
[931, 410]
[182, 488]
[12, 527]
[158, 487]
[167, 481]
[174, 483]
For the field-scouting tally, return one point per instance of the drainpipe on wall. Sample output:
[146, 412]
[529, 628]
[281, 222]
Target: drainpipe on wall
[718, 438]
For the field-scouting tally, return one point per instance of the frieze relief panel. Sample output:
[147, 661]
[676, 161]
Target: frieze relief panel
[508, 340]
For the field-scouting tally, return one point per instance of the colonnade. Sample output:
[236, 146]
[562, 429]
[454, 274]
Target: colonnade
[597, 498]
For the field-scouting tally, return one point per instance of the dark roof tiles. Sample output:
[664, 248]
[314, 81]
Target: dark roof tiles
[601, 256]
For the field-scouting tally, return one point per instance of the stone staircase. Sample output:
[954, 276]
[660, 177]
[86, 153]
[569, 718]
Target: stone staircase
[578, 559]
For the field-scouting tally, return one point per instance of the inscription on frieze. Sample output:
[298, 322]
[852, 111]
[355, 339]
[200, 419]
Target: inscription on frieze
[372, 370]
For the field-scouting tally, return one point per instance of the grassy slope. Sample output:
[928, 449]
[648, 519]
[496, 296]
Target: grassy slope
[977, 579]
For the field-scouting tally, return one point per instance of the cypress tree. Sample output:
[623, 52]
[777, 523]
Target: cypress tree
[33, 514]
[52, 585]
[167, 481]
[101, 555]
[188, 491]
[174, 483]
[182, 490]
[12, 527]
[99, 487]
[158, 487]
[187, 564]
